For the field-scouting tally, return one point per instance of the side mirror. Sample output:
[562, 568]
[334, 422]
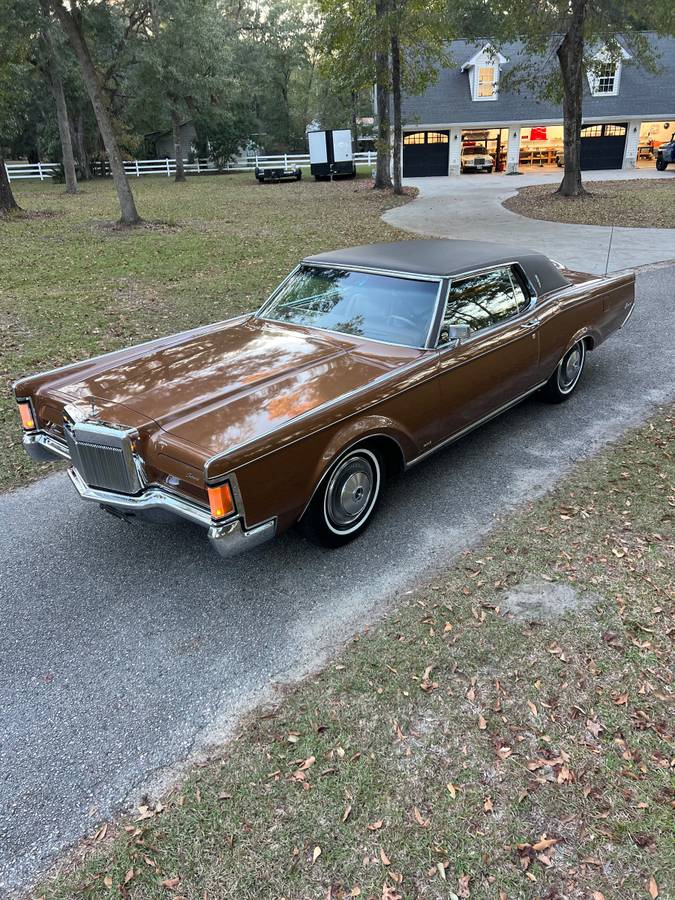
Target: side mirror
[456, 333]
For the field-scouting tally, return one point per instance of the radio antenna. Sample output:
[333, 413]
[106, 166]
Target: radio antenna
[609, 249]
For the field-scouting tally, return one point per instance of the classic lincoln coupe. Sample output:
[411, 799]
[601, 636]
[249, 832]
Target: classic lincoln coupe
[361, 363]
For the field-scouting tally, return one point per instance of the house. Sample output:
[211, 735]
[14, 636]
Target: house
[161, 142]
[627, 112]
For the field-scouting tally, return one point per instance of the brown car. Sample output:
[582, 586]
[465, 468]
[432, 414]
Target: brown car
[361, 363]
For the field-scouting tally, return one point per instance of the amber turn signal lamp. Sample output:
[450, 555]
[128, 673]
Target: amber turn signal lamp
[27, 418]
[220, 501]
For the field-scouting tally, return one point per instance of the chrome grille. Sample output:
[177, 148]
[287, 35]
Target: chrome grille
[103, 457]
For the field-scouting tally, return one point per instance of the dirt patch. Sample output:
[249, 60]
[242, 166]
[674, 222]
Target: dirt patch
[107, 227]
[642, 203]
[543, 601]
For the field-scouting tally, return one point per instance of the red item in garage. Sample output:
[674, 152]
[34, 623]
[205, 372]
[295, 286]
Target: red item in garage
[538, 134]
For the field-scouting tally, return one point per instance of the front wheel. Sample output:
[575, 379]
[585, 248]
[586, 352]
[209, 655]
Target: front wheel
[564, 380]
[661, 165]
[346, 499]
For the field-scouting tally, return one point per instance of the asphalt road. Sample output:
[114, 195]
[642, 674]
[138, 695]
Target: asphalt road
[125, 649]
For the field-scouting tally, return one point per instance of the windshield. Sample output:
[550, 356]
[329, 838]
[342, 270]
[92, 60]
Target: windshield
[379, 307]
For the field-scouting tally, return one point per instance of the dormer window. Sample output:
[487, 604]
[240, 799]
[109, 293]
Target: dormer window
[483, 69]
[486, 81]
[604, 72]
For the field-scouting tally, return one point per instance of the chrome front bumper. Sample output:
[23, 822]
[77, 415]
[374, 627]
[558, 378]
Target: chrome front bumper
[154, 503]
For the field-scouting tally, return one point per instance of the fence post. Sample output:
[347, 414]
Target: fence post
[168, 169]
[137, 172]
[285, 160]
[42, 178]
[197, 165]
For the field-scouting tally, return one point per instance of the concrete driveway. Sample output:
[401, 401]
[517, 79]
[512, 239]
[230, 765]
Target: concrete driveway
[470, 206]
[126, 649]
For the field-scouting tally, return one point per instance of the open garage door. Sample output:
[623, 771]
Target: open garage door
[602, 146]
[425, 153]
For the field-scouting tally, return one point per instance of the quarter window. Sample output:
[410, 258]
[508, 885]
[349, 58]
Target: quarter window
[483, 300]
[416, 137]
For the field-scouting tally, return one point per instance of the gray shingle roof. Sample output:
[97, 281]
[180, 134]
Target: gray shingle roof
[642, 95]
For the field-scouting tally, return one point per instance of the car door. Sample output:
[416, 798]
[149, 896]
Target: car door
[498, 361]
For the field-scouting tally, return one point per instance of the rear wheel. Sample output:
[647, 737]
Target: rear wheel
[564, 380]
[661, 165]
[346, 499]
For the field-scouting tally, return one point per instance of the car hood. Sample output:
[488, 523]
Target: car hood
[225, 386]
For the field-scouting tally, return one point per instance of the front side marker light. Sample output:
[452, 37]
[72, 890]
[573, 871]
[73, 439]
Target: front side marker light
[27, 417]
[221, 501]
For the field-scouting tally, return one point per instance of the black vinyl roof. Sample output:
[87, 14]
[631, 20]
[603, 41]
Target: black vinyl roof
[440, 257]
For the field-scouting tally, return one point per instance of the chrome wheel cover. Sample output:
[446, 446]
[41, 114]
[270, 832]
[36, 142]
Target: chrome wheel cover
[570, 368]
[351, 491]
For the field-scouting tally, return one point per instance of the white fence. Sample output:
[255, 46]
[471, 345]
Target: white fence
[167, 167]
[17, 171]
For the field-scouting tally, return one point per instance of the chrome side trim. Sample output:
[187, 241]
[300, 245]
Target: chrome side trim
[231, 539]
[477, 424]
[151, 499]
[43, 448]
[630, 313]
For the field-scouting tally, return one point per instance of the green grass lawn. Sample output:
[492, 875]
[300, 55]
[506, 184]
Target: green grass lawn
[71, 286]
[642, 203]
[468, 746]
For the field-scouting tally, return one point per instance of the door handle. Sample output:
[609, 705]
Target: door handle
[532, 323]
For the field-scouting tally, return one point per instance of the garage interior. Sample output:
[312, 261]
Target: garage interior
[426, 153]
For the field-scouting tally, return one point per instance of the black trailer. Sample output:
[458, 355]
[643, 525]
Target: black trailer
[330, 154]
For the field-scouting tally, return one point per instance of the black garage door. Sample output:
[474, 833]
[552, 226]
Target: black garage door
[602, 146]
[425, 153]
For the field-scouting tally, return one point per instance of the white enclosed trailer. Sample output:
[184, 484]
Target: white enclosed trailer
[330, 154]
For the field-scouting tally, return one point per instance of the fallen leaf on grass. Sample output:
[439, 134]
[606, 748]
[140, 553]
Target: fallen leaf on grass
[452, 789]
[544, 844]
[307, 763]
[101, 833]
[375, 826]
[653, 888]
[316, 854]
[504, 752]
[346, 814]
[482, 724]
[597, 895]
[463, 889]
[129, 875]
[422, 822]
[621, 699]
[107, 881]
[487, 805]
[171, 883]
[385, 859]
[533, 708]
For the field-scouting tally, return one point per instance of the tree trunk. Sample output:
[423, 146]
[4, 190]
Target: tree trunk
[177, 144]
[570, 56]
[77, 132]
[56, 83]
[7, 201]
[353, 115]
[71, 24]
[382, 173]
[396, 92]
